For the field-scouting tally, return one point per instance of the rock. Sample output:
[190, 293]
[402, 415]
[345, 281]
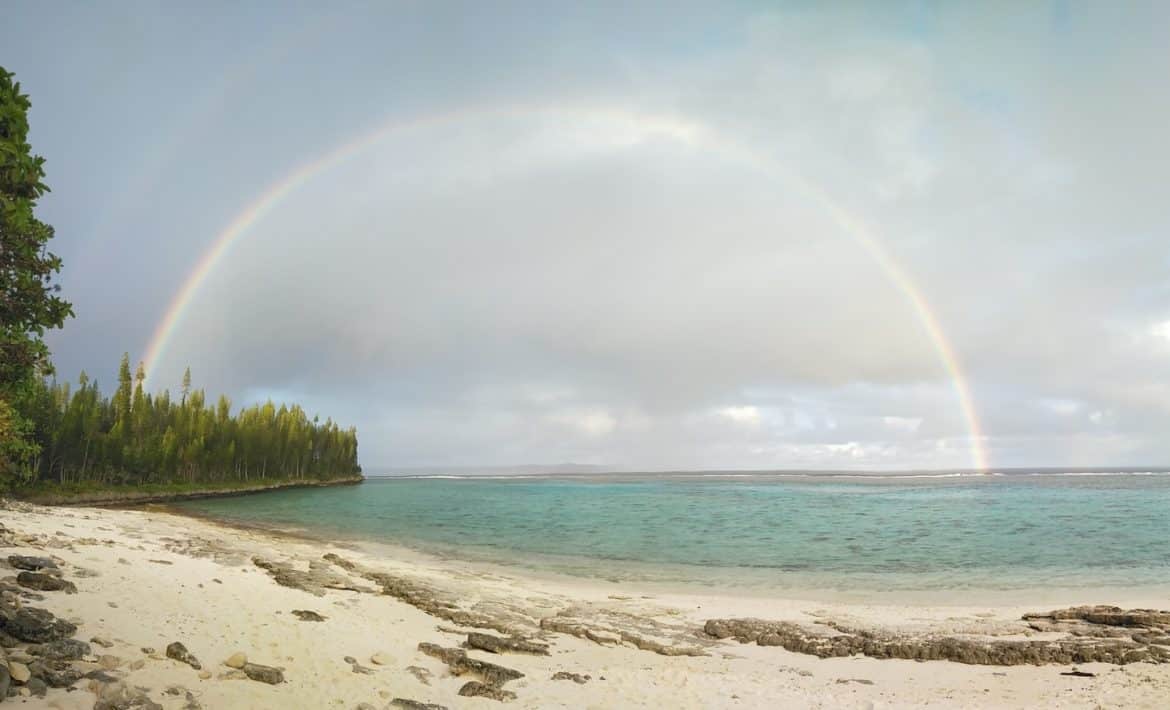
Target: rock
[475, 689]
[204, 675]
[407, 704]
[120, 696]
[356, 667]
[459, 663]
[45, 582]
[109, 662]
[61, 650]
[19, 672]
[1107, 616]
[137, 665]
[829, 640]
[37, 687]
[422, 674]
[263, 674]
[381, 659]
[58, 674]
[99, 641]
[306, 615]
[30, 563]
[34, 625]
[365, 706]
[236, 660]
[497, 644]
[575, 677]
[179, 652]
[100, 676]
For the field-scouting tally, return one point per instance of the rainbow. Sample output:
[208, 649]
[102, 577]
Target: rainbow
[635, 125]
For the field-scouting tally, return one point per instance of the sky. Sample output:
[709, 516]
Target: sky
[633, 235]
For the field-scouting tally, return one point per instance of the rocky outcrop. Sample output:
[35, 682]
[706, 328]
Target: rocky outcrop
[460, 663]
[1106, 616]
[511, 644]
[834, 640]
[45, 582]
[613, 627]
[60, 650]
[31, 563]
[34, 625]
[314, 580]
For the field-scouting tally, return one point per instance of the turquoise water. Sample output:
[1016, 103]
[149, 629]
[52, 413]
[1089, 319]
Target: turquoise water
[758, 530]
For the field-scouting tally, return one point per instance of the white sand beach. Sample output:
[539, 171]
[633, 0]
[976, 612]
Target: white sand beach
[146, 579]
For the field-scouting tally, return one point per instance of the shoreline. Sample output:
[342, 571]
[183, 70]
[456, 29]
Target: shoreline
[146, 578]
[534, 574]
[135, 495]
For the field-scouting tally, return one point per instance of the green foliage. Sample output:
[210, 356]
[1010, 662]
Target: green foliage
[135, 439]
[29, 303]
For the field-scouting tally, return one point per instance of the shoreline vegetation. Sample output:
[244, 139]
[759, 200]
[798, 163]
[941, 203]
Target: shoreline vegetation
[91, 447]
[232, 617]
[98, 495]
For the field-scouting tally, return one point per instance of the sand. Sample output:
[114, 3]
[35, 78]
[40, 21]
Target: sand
[149, 578]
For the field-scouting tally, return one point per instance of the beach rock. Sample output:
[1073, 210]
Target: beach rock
[1106, 616]
[365, 706]
[99, 641]
[616, 627]
[30, 563]
[475, 689]
[357, 667]
[19, 672]
[315, 580]
[120, 696]
[58, 674]
[109, 662]
[37, 688]
[407, 704]
[497, 644]
[61, 650]
[205, 674]
[45, 582]
[833, 640]
[575, 677]
[459, 663]
[421, 674]
[236, 660]
[381, 659]
[179, 652]
[34, 625]
[100, 676]
[306, 615]
[263, 674]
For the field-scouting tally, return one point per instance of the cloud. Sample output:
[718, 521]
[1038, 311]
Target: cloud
[574, 265]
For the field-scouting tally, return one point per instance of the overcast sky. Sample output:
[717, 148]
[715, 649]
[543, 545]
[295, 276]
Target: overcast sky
[613, 235]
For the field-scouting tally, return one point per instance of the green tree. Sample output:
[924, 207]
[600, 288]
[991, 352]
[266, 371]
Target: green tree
[29, 304]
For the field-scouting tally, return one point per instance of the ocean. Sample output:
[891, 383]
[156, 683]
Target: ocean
[765, 532]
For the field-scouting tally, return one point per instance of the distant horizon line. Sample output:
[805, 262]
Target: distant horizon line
[574, 468]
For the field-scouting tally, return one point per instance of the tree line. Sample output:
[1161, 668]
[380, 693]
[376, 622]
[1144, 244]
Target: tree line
[51, 432]
[133, 437]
